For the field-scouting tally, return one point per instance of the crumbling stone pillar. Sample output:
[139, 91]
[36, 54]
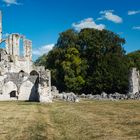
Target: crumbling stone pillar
[134, 81]
[16, 42]
[12, 44]
[9, 45]
[28, 48]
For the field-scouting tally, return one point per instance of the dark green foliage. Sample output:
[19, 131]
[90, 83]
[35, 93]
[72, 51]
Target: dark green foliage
[90, 61]
[41, 61]
[108, 68]
[134, 59]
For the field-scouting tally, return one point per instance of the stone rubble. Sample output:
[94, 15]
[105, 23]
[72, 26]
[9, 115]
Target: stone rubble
[69, 97]
[115, 96]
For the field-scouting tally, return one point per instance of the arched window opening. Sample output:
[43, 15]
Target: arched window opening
[21, 74]
[13, 94]
[34, 73]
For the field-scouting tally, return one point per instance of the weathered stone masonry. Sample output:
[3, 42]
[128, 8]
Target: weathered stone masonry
[19, 78]
[134, 81]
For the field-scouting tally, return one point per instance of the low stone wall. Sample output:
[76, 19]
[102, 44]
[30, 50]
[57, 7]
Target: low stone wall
[115, 96]
[71, 97]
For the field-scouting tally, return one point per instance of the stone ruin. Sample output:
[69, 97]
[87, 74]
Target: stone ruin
[134, 81]
[20, 79]
[65, 96]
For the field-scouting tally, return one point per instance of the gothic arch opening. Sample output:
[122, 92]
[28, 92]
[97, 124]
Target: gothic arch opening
[21, 74]
[13, 94]
[34, 73]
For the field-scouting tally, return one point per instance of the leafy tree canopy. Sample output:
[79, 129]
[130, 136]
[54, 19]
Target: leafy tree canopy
[89, 61]
[134, 59]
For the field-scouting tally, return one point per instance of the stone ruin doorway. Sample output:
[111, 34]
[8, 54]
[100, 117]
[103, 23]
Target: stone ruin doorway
[21, 74]
[34, 73]
[13, 94]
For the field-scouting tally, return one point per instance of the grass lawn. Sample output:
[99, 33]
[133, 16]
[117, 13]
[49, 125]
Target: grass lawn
[87, 120]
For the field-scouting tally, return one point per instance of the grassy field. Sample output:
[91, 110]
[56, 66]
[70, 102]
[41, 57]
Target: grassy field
[87, 120]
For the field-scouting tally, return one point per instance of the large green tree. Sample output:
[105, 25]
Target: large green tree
[89, 61]
[107, 66]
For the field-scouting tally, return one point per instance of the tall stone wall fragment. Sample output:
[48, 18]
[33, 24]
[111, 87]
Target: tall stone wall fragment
[134, 81]
[20, 79]
[16, 43]
[28, 48]
[12, 44]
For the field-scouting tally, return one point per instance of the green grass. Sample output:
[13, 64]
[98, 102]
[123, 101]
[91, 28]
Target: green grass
[87, 120]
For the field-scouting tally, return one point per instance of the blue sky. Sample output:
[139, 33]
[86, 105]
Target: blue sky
[43, 20]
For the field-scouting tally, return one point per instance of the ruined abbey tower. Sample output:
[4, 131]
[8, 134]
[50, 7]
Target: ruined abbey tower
[20, 79]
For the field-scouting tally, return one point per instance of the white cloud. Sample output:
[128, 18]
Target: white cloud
[87, 23]
[109, 15]
[136, 28]
[11, 2]
[43, 50]
[133, 12]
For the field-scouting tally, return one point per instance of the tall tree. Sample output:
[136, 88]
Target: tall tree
[89, 61]
[105, 56]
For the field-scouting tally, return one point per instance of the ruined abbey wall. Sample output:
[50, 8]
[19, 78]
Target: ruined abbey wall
[134, 81]
[20, 79]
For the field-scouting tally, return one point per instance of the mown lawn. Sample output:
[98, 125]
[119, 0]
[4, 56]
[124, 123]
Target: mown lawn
[87, 120]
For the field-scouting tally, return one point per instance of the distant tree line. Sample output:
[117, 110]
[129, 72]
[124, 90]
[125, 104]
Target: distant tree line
[90, 61]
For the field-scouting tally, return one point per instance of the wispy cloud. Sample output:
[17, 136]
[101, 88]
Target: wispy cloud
[109, 15]
[11, 2]
[87, 23]
[136, 27]
[133, 12]
[43, 50]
